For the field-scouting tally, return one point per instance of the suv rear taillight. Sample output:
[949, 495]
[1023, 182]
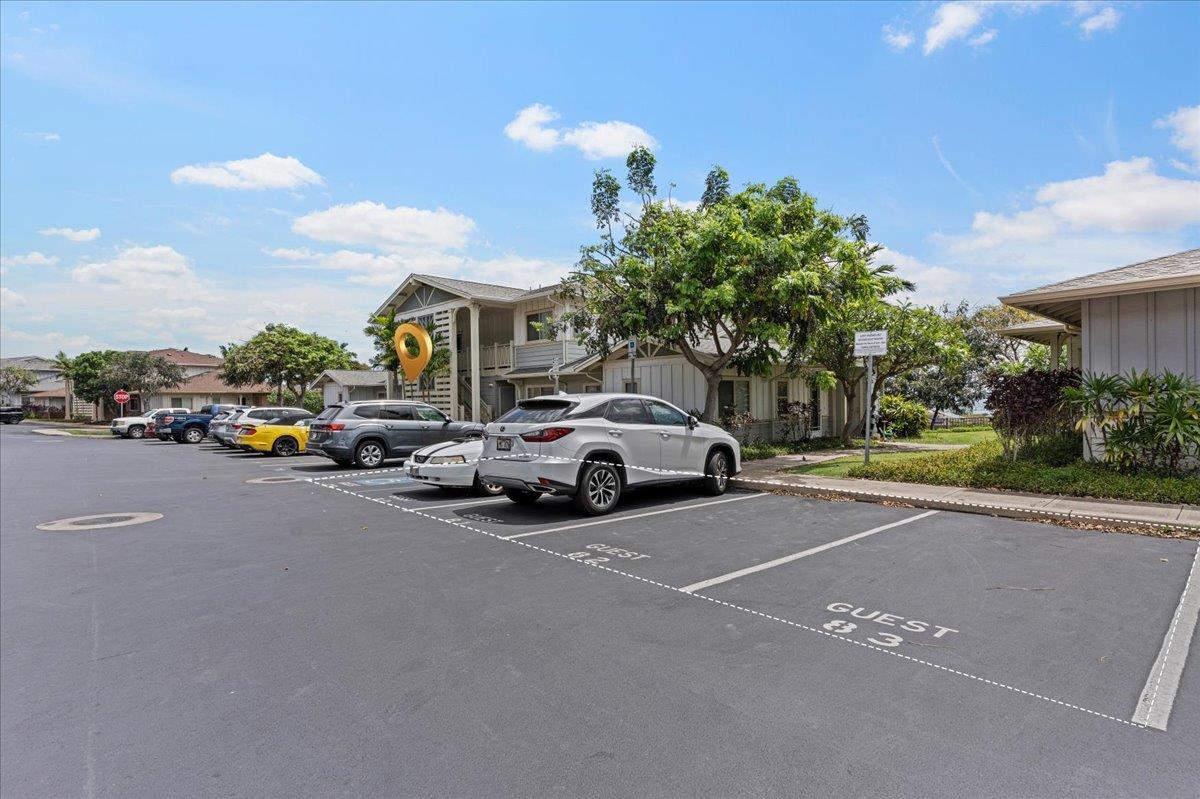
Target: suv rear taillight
[546, 434]
[335, 427]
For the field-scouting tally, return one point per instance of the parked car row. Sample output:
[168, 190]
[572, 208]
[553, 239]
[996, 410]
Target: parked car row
[590, 447]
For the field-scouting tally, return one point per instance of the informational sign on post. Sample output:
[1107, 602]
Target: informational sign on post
[868, 344]
[633, 363]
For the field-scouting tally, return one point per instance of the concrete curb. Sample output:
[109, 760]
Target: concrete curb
[987, 509]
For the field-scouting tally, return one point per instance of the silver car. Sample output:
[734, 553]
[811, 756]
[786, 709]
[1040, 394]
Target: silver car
[594, 446]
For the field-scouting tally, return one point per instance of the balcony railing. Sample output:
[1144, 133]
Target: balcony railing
[491, 357]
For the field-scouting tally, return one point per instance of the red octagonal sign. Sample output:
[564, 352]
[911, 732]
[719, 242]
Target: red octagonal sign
[121, 396]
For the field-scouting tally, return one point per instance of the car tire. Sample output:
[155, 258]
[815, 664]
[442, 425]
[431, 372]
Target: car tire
[369, 455]
[192, 435]
[599, 488]
[137, 431]
[522, 497]
[716, 471]
[487, 489]
[285, 446]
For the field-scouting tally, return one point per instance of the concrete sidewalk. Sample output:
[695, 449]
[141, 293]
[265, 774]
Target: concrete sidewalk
[769, 473]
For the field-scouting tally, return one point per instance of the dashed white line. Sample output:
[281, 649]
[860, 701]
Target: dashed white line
[1158, 697]
[770, 564]
[612, 519]
[798, 625]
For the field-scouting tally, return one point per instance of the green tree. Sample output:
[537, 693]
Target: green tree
[955, 381]
[141, 373]
[917, 337]
[285, 357]
[724, 285]
[381, 330]
[16, 380]
[87, 375]
[64, 362]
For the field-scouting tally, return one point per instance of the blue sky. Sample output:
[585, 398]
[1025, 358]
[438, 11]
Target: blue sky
[179, 175]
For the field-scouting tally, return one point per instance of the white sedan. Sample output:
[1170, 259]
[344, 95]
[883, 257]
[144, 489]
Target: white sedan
[451, 464]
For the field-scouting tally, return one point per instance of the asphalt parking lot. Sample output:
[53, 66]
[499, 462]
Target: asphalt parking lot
[289, 628]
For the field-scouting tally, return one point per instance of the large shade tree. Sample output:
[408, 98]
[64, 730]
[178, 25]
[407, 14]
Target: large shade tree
[16, 380]
[917, 337]
[727, 285]
[285, 357]
[141, 373]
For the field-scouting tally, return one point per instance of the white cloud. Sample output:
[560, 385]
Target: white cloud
[1130, 197]
[143, 269]
[90, 234]
[596, 140]
[951, 21]
[47, 136]
[388, 269]
[1104, 20]
[46, 342]
[1184, 124]
[376, 225]
[266, 171]
[686, 205]
[171, 316]
[29, 259]
[10, 298]
[935, 284]
[898, 38]
[983, 38]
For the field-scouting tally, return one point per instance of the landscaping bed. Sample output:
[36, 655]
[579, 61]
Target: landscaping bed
[983, 466]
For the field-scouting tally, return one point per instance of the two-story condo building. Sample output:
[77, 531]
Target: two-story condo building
[501, 351]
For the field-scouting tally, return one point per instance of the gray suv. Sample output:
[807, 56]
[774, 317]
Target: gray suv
[367, 433]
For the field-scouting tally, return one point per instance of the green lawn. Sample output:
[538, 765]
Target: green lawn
[840, 466]
[972, 435]
[982, 466]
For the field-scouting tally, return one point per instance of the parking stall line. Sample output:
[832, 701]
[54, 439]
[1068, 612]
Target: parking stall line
[724, 578]
[1158, 696]
[468, 503]
[794, 624]
[613, 519]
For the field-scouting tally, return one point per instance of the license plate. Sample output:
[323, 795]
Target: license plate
[503, 443]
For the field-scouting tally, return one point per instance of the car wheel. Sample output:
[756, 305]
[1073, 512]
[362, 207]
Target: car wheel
[137, 431]
[369, 455]
[193, 435]
[599, 488]
[285, 446]
[487, 489]
[522, 497]
[716, 472]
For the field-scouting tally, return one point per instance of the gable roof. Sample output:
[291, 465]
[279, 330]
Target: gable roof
[353, 377]
[467, 289]
[1062, 301]
[187, 357]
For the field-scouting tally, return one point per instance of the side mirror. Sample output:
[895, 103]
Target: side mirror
[692, 422]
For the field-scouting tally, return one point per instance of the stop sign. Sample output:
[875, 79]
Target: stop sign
[121, 396]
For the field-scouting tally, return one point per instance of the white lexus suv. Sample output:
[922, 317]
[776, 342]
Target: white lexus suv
[594, 446]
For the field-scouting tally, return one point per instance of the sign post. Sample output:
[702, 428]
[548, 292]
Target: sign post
[633, 362]
[868, 344]
[121, 396]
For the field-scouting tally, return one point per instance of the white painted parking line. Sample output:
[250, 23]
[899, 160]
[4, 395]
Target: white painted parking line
[724, 578]
[612, 519]
[468, 503]
[1154, 708]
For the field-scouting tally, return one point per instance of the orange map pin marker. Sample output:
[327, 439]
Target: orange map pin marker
[413, 365]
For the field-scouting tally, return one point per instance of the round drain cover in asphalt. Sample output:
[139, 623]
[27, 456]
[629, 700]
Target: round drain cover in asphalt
[99, 521]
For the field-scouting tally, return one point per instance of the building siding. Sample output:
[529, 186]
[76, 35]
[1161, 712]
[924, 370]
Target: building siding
[1154, 331]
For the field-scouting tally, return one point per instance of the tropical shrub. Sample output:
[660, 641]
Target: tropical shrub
[1142, 421]
[797, 418]
[900, 417]
[1027, 408]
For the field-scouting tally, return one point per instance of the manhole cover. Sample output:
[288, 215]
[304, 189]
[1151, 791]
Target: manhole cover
[99, 521]
[269, 480]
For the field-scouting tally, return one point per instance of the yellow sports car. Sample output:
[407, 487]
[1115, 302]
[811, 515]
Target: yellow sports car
[284, 436]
